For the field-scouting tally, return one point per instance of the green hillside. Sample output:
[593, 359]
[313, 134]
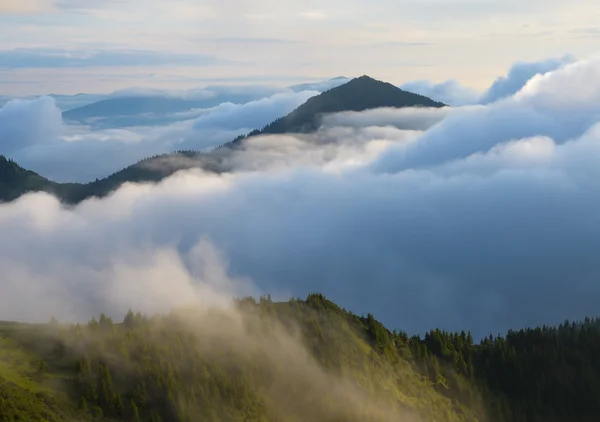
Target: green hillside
[302, 360]
[359, 94]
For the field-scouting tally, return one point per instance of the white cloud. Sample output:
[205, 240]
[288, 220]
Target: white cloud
[453, 93]
[558, 104]
[405, 118]
[448, 92]
[320, 85]
[481, 36]
[518, 76]
[24, 123]
[485, 218]
[33, 134]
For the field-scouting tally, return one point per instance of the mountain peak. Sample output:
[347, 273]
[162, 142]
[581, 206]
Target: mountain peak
[358, 94]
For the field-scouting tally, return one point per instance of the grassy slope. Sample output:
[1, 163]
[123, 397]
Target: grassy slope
[242, 387]
[29, 392]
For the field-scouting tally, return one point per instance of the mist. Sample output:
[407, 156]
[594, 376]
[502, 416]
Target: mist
[480, 217]
[35, 135]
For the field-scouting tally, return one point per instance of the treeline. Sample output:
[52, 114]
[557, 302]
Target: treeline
[302, 360]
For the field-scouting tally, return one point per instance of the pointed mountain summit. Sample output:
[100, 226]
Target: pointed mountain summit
[358, 94]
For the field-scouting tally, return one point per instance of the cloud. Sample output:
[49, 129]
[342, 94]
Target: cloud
[320, 86]
[4, 100]
[218, 93]
[591, 32]
[254, 114]
[518, 76]
[405, 118]
[557, 104]
[199, 285]
[453, 93]
[33, 58]
[248, 40]
[34, 135]
[448, 92]
[114, 284]
[313, 15]
[25, 123]
[481, 217]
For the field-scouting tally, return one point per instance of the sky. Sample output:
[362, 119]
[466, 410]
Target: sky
[72, 46]
[482, 216]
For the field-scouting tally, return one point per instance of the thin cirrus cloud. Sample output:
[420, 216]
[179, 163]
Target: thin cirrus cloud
[32, 58]
[52, 6]
[247, 40]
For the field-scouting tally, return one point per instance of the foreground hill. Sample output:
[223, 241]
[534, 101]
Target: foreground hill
[15, 181]
[356, 95]
[303, 360]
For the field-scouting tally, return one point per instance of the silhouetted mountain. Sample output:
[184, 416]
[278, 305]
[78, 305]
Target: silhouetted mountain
[359, 94]
[16, 181]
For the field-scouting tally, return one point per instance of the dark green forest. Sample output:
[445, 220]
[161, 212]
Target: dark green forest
[302, 360]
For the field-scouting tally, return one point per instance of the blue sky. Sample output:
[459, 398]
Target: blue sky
[70, 46]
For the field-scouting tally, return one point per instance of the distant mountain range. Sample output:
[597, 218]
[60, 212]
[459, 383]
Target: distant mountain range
[147, 110]
[358, 94]
[153, 108]
[63, 102]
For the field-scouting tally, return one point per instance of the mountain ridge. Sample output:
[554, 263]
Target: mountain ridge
[359, 94]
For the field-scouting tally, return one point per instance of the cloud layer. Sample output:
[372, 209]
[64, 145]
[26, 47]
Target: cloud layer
[481, 218]
[34, 135]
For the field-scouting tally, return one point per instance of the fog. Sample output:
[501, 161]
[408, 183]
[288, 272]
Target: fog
[481, 217]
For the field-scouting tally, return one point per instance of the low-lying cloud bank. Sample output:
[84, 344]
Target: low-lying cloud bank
[481, 218]
[33, 134]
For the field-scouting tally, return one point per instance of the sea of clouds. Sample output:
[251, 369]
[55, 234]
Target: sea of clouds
[480, 217]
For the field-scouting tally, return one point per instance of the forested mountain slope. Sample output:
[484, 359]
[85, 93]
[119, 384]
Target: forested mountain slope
[303, 360]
